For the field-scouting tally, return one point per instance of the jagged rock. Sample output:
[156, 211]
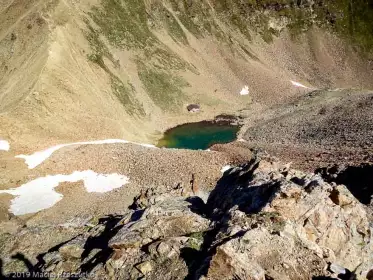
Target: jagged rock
[308, 226]
[163, 248]
[341, 196]
[162, 229]
[73, 249]
[263, 221]
[259, 253]
[169, 217]
[145, 267]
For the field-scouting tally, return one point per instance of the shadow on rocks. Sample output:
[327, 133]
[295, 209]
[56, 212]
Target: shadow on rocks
[197, 205]
[232, 189]
[101, 241]
[32, 271]
[358, 179]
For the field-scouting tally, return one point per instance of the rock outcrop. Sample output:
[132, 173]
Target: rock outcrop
[263, 220]
[287, 225]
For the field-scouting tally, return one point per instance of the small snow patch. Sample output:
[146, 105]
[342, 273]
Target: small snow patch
[299, 85]
[245, 90]
[39, 194]
[225, 168]
[37, 158]
[4, 145]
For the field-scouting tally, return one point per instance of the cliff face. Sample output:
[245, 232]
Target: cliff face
[102, 69]
[263, 220]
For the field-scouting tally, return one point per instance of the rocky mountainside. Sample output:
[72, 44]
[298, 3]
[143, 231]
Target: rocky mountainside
[79, 70]
[86, 88]
[319, 129]
[263, 220]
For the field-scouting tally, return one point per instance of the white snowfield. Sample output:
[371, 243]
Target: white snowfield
[299, 85]
[39, 194]
[37, 158]
[225, 168]
[245, 90]
[4, 145]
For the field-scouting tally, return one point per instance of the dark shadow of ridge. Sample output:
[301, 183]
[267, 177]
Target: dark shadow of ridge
[232, 189]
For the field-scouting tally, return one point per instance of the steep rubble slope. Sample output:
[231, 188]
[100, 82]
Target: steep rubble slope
[320, 129]
[262, 221]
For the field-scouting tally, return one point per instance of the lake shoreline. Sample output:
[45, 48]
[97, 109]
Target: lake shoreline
[202, 135]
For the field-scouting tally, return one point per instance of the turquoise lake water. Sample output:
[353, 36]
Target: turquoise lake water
[198, 136]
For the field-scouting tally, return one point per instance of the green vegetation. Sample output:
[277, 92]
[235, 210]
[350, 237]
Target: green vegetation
[197, 17]
[123, 23]
[195, 240]
[300, 21]
[163, 87]
[168, 21]
[126, 95]
[272, 220]
[162, 58]
[353, 20]
[99, 49]
[174, 29]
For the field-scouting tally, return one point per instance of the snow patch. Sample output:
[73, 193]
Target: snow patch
[225, 168]
[299, 85]
[37, 158]
[245, 90]
[4, 145]
[39, 194]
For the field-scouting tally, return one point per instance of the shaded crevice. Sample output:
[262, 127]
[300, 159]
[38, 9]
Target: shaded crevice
[198, 261]
[358, 179]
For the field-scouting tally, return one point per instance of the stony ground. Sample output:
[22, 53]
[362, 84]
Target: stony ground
[263, 220]
[146, 167]
[320, 129]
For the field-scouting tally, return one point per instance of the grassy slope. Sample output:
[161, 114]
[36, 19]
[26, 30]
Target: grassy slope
[125, 25]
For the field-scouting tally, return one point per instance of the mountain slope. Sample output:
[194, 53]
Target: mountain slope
[75, 71]
[317, 130]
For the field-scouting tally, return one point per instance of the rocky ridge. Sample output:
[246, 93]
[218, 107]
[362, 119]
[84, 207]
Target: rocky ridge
[263, 220]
